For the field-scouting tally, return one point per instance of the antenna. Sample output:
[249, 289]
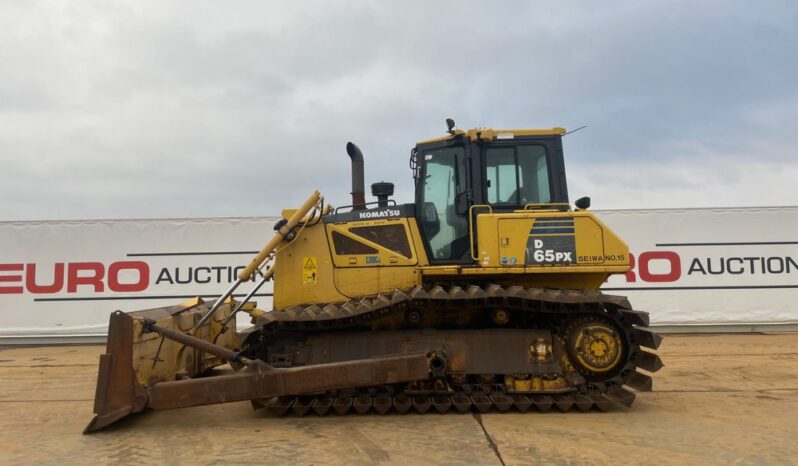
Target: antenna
[574, 130]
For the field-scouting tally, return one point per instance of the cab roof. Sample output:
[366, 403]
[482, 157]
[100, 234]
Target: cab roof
[490, 134]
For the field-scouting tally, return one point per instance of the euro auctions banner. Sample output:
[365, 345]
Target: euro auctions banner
[65, 278]
[694, 266]
[710, 266]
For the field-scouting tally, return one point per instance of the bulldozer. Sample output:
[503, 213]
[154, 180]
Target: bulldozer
[482, 294]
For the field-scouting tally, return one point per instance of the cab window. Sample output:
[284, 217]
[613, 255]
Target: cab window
[517, 175]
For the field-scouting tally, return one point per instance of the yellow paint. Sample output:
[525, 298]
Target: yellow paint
[156, 359]
[309, 271]
[596, 245]
[489, 134]
[369, 281]
[338, 278]
[192, 302]
[416, 242]
[531, 384]
[288, 271]
[279, 236]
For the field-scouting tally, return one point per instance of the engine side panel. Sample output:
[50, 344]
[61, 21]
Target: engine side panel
[304, 271]
[348, 259]
[550, 242]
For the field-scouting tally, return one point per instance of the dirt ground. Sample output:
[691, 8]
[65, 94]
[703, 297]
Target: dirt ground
[721, 399]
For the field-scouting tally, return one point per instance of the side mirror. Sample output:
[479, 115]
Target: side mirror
[583, 203]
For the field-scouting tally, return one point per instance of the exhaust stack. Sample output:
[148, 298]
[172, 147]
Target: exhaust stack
[358, 179]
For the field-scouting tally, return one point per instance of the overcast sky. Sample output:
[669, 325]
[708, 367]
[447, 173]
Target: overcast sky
[180, 109]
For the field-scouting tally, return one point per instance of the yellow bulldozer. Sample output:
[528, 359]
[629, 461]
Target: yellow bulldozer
[482, 294]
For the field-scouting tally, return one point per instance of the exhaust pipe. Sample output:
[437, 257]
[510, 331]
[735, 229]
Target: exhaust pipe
[358, 181]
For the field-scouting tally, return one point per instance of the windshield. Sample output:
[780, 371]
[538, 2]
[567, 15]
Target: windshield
[517, 175]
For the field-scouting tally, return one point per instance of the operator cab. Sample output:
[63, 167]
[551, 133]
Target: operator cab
[473, 171]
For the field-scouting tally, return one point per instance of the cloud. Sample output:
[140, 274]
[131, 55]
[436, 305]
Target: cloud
[684, 182]
[145, 109]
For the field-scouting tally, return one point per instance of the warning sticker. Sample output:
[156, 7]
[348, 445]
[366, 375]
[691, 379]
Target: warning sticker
[309, 270]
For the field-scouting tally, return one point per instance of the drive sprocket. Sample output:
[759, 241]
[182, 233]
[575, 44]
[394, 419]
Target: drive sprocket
[596, 346]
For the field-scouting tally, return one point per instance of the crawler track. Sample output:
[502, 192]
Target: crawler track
[481, 400]
[471, 306]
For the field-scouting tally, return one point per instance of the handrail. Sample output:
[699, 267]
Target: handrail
[471, 226]
[531, 206]
[391, 203]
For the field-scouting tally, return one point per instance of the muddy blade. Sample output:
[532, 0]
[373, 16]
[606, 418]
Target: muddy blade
[156, 346]
[117, 394]
[100, 421]
[132, 355]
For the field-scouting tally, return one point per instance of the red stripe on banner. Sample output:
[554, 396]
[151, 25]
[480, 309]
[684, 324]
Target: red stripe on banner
[10, 267]
[11, 278]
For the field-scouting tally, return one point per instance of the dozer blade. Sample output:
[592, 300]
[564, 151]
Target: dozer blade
[152, 361]
[116, 395]
[134, 360]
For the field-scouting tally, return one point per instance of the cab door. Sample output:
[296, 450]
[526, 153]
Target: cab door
[442, 202]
